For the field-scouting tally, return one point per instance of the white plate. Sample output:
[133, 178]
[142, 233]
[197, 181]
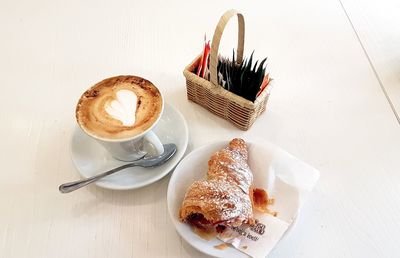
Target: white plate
[90, 158]
[264, 160]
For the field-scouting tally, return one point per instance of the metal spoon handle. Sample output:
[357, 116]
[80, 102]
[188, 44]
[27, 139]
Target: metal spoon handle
[72, 186]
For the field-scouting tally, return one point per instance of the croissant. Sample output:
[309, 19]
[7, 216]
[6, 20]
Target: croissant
[223, 199]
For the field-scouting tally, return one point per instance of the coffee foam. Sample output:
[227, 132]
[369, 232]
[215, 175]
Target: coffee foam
[123, 107]
[119, 107]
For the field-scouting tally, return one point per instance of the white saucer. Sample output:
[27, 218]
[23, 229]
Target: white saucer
[90, 158]
[269, 164]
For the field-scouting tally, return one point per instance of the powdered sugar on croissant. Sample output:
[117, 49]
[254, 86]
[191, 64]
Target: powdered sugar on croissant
[223, 199]
[230, 164]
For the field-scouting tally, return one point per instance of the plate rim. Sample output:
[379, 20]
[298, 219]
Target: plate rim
[145, 183]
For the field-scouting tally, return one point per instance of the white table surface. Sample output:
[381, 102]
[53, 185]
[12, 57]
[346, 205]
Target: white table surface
[328, 108]
[376, 24]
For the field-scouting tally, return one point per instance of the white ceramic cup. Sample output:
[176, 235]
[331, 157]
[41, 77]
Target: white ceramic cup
[132, 148]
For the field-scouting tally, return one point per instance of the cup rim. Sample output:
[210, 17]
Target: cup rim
[131, 137]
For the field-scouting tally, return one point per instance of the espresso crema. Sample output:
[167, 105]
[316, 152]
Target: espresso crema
[119, 107]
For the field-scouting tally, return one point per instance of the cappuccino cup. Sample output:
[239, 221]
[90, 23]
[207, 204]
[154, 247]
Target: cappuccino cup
[119, 113]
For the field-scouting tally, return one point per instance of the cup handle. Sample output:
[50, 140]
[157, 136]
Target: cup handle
[153, 140]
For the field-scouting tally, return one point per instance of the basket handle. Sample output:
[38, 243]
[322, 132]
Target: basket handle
[217, 38]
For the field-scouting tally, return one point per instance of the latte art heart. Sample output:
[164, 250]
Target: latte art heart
[123, 108]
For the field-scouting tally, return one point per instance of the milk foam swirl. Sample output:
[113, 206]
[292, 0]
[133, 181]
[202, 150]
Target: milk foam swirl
[119, 107]
[124, 107]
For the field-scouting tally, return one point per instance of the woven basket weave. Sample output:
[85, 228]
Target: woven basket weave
[238, 110]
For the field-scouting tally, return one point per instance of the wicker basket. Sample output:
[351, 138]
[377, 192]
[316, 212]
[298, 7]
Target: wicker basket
[238, 110]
